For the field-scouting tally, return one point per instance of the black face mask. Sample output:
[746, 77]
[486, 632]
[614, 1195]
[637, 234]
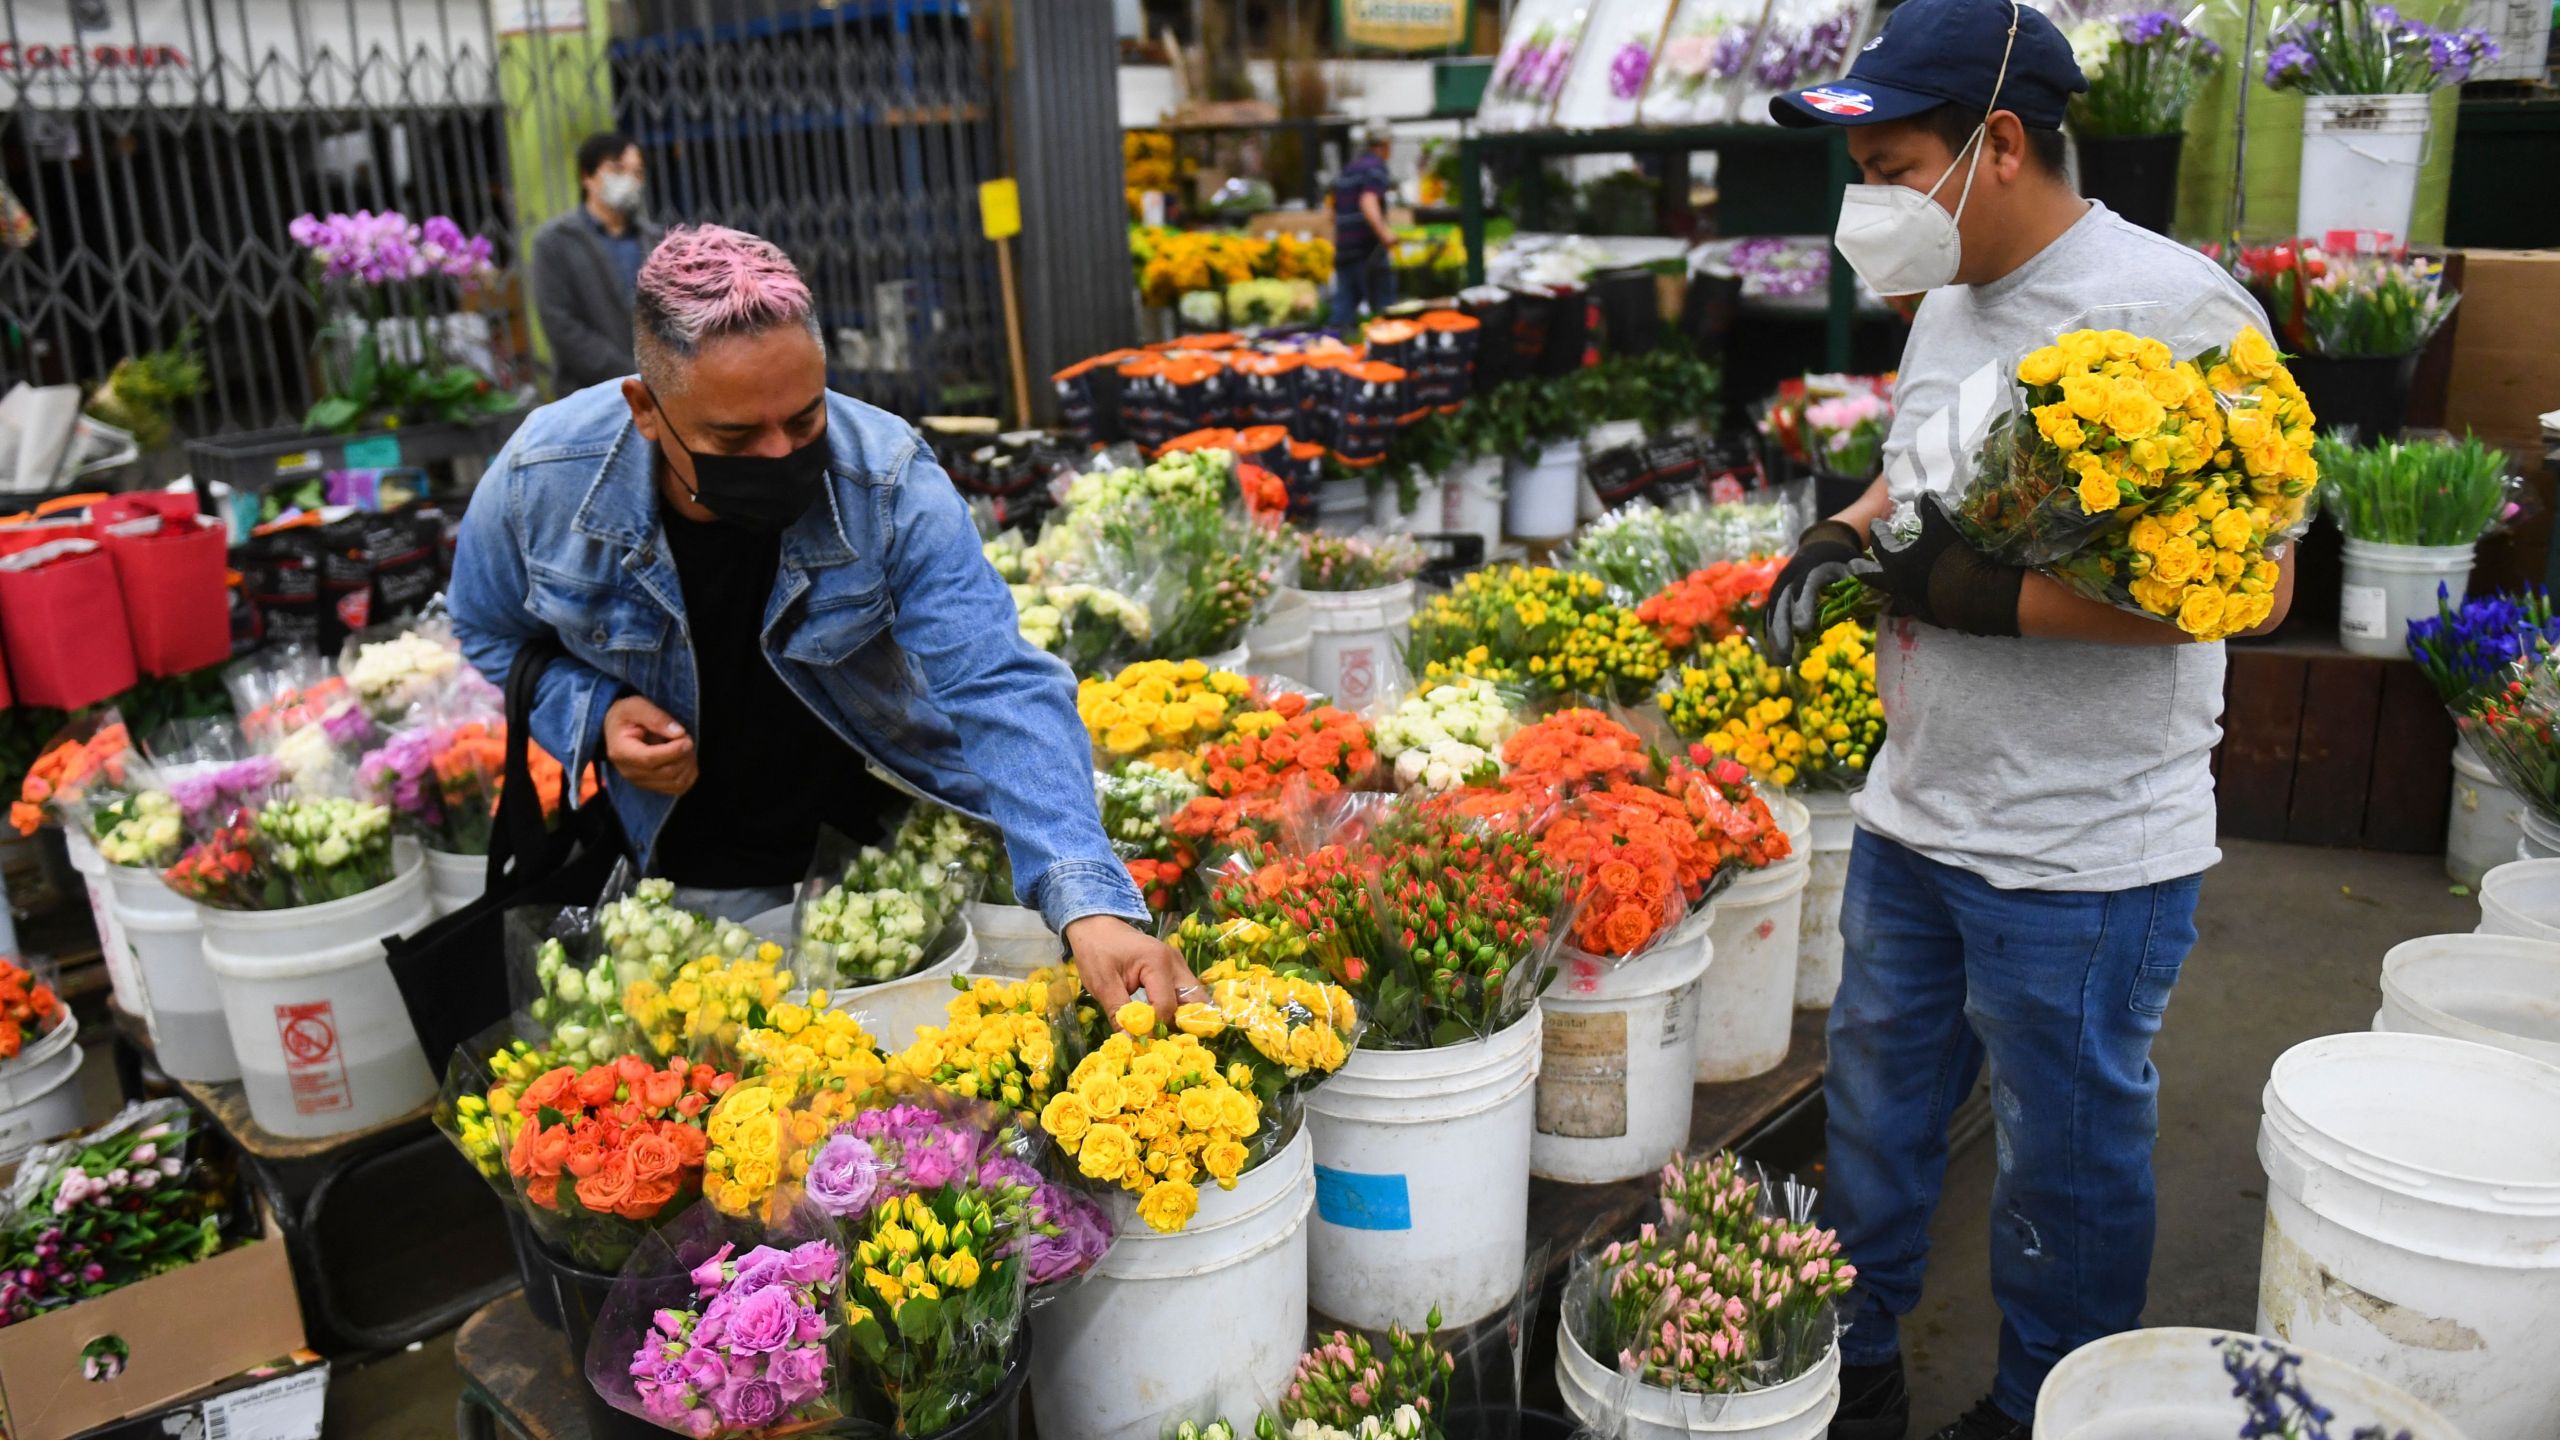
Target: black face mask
[763, 493]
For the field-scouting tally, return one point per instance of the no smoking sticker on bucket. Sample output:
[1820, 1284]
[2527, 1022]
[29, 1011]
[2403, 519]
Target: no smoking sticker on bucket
[315, 1069]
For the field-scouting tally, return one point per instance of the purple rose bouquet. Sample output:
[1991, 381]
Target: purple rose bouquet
[752, 1354]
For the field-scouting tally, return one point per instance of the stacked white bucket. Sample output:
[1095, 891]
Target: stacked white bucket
[2483, 822]
[1134, 1347]
[2413, 1198]
[1354, 640]
[1614, 1088]
[1746, 1007]
[455, 880]
[191, 1039]
[322, 1036]
[40, 1089]
[2167, 1383]
[124, 978]
[1605, 1400]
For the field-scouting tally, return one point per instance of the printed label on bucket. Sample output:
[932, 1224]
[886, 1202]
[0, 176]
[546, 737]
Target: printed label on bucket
[2362, 610]
[1582, 1076]
[315, 1069]
[1679, 1018]
[1362, 1202]
[1356, 676]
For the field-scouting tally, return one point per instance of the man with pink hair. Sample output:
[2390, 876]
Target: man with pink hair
[776, 619]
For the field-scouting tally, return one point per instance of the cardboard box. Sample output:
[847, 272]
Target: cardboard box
[2506, 349]
[2505, 375]
[182, 1332]
[284, 1399]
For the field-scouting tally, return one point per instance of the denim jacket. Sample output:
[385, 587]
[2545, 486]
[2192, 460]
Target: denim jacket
[885, 620]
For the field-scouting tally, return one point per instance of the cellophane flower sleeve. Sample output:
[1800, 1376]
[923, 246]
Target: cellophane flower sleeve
[721, 1328]
[81, 768]
[2154, 457]
[931, 1204]
[393, 669]
[868, 915]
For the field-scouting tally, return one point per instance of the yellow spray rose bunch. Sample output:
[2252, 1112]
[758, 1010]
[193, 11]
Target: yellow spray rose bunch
[997, 1043]
[2154, 483]
[1555, 630]
[808, 1069]
[1818, 723]
[710, 1002]
[1159, 711]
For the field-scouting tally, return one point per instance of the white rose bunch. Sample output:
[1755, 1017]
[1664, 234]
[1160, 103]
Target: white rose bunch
[1447, 736]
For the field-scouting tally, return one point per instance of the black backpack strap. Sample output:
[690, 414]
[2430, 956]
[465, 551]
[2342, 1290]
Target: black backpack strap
[517, 831]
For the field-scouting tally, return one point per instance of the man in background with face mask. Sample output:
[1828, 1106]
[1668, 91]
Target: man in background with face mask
[2023, 883]
[777, 618]
[586, 266]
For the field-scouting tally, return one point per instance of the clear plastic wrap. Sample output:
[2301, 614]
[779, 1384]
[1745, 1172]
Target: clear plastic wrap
[2155, 457]
[603, 981]
[941, 840]
[722, 1328]
[1395, 1388]
[1368, 560]
[868, 915]
[1734, 1289]
[393, 669]
[134, 1198]
[1637, 549]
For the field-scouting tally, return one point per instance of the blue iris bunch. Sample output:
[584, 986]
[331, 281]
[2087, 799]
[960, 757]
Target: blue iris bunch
[2467, 648]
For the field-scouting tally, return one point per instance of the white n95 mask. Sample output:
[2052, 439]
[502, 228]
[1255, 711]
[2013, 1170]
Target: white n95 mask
[1898, 239]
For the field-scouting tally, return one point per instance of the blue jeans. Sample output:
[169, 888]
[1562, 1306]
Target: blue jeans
[2063, 992]
[1370, 280]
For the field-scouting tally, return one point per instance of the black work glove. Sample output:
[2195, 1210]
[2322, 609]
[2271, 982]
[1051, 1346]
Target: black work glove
[1941, 579]
[1822, 556]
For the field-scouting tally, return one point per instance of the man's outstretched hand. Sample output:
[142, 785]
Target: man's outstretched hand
[1115, 959]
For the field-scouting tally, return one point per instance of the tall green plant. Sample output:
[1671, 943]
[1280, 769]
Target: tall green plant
[2428, 492]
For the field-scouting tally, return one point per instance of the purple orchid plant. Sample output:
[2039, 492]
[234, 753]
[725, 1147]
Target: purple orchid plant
[386, 283]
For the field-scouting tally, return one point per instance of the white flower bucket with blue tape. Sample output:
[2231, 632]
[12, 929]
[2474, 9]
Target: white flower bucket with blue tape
[1422, 1180]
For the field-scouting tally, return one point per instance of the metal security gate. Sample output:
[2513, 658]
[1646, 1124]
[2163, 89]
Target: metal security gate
[161, 147]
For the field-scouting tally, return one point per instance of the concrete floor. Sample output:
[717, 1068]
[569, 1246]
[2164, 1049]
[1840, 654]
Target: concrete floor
[2291, 944]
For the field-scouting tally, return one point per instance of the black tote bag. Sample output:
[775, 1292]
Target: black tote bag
[453, 974]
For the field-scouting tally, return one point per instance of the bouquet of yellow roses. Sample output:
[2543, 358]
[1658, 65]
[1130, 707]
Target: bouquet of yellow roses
[2163, 485]
[807, 1068]
[1159, 711]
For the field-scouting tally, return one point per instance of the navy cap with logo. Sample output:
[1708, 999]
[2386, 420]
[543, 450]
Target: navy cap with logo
[1946, 52]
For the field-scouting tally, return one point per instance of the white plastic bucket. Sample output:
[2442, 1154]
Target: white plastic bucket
[1542, 498]
[1353, 640]
[1388, 511]
[1013, 941]
[1422, 1180]
[1280, 644]
[1205, 1321]
[2491, 989]
[1746, 1008]
[2481, 828]
[124, 977]
[1471, 501]
[323, 1038]
[2413, 1221]
[1826, 882]
[893, 1010]
[2360, 161]
[40, 1094]
[1232, 660]
[2382, 588]
[1342, 506]
[2169, 1384]
[1601, 1398]
[2522, 897]
[191, 1038]
[1614, 1088]
[454, 881]
[2541, 835]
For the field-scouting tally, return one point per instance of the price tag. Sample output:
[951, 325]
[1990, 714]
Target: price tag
[1000, 209]
[374, 452]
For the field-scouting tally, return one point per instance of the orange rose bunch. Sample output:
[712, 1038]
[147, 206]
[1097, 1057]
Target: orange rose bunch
[1269, 756]
[1573, 751]
[602, 1153]
[65, 771]
[28, 1008]
[1628, 846]
[1706, 605]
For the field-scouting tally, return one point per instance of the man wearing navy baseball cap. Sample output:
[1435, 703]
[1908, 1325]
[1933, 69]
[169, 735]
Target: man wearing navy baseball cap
[2022, 886]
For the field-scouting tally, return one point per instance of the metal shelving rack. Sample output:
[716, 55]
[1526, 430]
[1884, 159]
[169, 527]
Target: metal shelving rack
[1776, 158]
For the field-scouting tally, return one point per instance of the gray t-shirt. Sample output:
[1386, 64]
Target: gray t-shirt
[2049, 764]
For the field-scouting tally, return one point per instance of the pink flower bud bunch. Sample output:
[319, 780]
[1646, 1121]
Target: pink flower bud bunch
[1721, 1296]
[104, 1211]
[1345, 1379]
